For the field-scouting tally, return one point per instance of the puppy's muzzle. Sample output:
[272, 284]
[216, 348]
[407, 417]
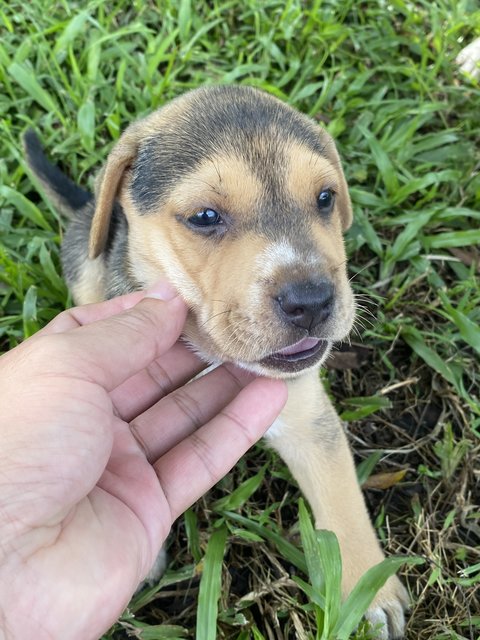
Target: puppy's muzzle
[306, 304]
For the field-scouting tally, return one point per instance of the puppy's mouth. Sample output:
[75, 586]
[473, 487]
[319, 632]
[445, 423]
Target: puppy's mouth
[296, 357]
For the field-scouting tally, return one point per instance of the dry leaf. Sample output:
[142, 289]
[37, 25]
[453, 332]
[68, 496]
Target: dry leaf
[384, 480]
[350, 356]
[468, 257]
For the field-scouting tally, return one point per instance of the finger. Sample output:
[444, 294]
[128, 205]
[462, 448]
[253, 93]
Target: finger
[161, 376]
[78, 316]
[184, 411]
[201, 460]
[88, 313]
[110, 351]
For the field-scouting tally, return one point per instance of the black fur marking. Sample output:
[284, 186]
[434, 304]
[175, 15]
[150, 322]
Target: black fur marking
[75, 251]
[72, 196]
[219, 120]
[80, 204]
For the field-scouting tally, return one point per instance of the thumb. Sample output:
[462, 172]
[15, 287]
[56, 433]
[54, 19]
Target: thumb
[111, 350]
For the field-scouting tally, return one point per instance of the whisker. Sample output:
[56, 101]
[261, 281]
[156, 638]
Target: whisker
[361, 309]
[372, 319]
[215, 315]
[340, 264]
[360, 325]
[367, 266]
[357, 333]
[215, 165]
[208, 184]
[234, 338]
[364, 298]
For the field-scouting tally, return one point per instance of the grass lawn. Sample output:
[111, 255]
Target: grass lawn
[381, 77]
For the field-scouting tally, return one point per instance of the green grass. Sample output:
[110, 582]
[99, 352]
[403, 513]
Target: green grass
[381, 77]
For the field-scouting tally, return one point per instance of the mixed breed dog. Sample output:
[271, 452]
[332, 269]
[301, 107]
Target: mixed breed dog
[241, 202]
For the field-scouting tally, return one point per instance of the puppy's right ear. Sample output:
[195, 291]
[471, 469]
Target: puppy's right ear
[118, 161]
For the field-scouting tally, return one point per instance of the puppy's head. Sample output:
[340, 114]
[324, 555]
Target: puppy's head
[241, 202]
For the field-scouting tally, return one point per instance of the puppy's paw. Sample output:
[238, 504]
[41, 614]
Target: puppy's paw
[156, 572]
[387, 611]
[158, 569]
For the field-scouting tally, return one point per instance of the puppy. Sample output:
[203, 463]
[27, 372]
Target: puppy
[241, 202]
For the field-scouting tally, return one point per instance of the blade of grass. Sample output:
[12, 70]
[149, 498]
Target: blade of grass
[29, 312]
[414, 339]
[331, 563]
[241, 494]
[366, 467]
[452, 239]
[191, 530]
[287, 549]
[382, 161]
[86, 123]
[25, 207]
[312, 552]
[364, 407]
[73, 29]
[470, 331]
[363, 593]
[27, 80]
[210, 587]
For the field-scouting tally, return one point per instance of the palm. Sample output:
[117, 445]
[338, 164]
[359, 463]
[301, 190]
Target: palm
[84, 507]
[99, 548]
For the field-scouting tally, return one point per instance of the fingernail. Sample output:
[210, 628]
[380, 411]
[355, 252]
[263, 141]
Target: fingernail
[162, 290]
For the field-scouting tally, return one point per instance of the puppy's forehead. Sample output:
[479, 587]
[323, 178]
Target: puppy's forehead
[205, 124]
[224, 182]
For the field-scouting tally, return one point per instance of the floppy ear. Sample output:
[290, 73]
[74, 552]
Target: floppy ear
[343, 197]
[108, 183]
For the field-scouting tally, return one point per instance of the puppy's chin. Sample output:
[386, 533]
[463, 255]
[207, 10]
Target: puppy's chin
[278, 366]
[282, 364]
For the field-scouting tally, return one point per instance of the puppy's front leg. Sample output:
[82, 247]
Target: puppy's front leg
[309, 437]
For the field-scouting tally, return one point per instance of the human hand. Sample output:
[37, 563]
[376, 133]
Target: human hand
[102, 448]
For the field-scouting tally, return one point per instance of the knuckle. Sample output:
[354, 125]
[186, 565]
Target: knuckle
[239, 424]
[189, 407]
[136, 432]
[235, 376]
[160, 377]
[202, 450]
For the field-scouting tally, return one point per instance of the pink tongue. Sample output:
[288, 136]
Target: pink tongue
[298, 347]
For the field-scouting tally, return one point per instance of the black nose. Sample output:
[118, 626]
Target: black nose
[306, 304]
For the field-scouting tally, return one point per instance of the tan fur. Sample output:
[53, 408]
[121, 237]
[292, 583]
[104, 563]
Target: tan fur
[224, 182]
[220, 295]
[109, 181]
[307, 174]
[118, 161]
[322, 464]
[230, 284]
[90, 286]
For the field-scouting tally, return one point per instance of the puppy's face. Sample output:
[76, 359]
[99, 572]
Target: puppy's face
[241, 202]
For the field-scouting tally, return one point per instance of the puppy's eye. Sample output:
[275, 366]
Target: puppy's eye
[205, 218]
[326, 200]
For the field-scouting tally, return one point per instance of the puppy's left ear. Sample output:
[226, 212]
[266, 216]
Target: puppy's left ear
[108, 183]
[342, 199]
